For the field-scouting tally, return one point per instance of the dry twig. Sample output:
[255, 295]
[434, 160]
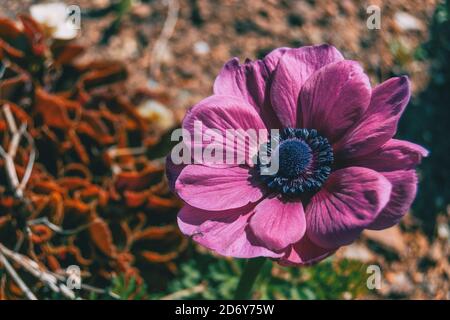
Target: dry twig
[34, 269]
[163, 39]
[185, 292]
[17, 186]
[56, 282]
[15, 276]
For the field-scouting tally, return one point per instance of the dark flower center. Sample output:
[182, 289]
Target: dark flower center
[304, 158]
[295, 156]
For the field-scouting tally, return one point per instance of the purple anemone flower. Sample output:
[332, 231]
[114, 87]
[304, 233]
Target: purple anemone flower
[340, 170]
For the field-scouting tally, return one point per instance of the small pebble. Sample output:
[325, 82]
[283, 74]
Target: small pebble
[201, 48]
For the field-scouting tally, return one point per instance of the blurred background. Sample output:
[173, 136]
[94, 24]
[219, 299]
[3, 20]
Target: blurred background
[100, 102]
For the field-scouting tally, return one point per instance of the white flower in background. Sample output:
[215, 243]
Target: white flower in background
[157, 113]
[54, 18]
[201, 48]
[408, 22]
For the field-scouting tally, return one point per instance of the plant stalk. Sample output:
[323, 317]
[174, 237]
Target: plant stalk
[248, 278]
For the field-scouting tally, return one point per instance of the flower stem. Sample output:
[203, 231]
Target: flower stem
[246, 282]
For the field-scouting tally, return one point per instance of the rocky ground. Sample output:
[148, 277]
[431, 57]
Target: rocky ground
[182, 62]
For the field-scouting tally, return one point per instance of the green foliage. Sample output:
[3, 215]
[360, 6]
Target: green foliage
[401, 53]
[127, 289]
[426, 122]
[220, 277]
[327, 280]
[122, 288]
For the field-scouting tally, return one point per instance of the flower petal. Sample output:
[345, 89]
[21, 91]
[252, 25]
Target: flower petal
[214, 116]
[172, 172]
[277, 223]
[249, 81]
[293, 69]
[393, 155]
[225, 232]
[217, 189]
[350, 201]
[379, 123]
[334, 98]
[404, 188]
[305, 252]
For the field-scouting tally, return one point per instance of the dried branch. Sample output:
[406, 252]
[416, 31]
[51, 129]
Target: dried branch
[48, 278]
[163, 39]
[56, 282]
[30, 164]
[56, 228]
[115, 152]
[15, 276]
[185, 292]
[17, 186]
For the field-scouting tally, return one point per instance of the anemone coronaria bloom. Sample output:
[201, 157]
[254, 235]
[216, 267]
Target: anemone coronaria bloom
[340, 170]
